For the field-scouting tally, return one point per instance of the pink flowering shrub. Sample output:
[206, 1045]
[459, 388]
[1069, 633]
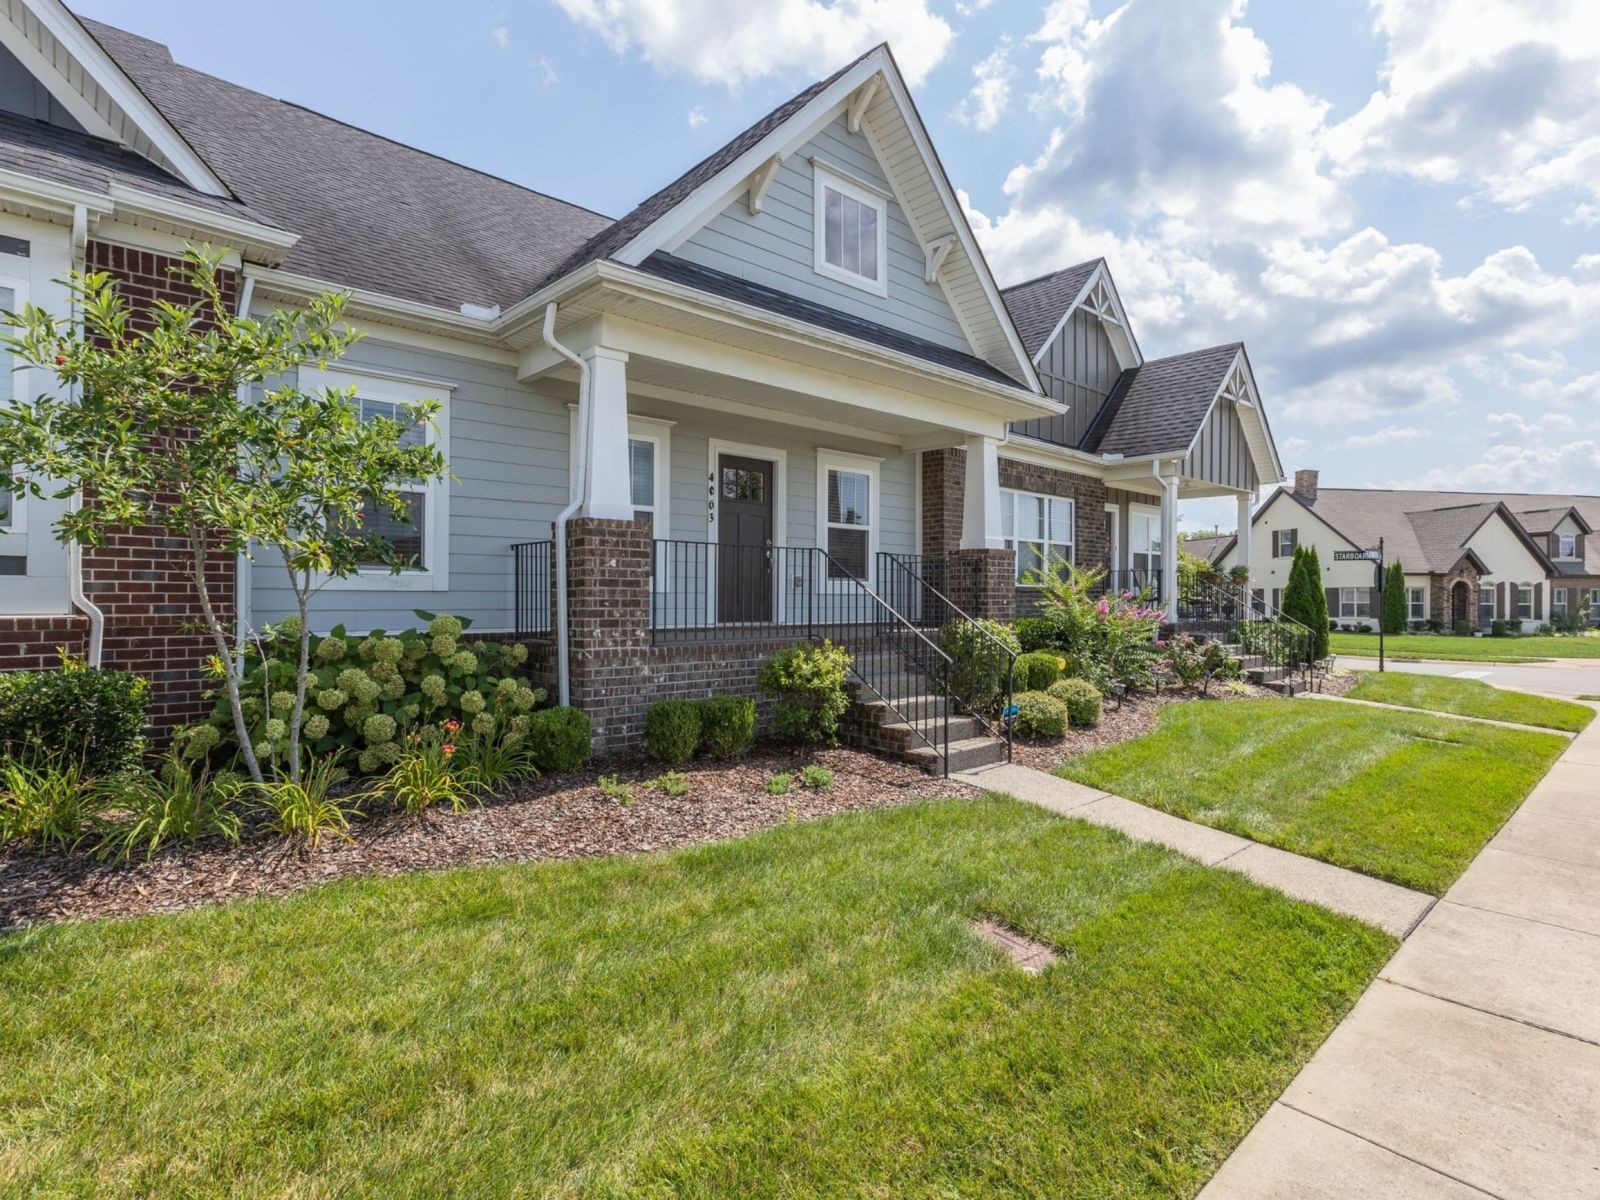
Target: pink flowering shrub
[1106, 639]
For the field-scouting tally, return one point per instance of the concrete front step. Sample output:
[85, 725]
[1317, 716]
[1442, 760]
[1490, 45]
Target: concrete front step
[965, 755]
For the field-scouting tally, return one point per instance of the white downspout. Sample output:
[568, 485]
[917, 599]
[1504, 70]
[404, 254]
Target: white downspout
[243, 613]
[80, 599]
[577, 489]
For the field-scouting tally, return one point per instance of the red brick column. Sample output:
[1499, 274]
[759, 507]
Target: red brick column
[943, 479]
[983, 583]
[608, 623]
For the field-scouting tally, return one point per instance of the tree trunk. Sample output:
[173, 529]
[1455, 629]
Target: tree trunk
[219, 636]
[302, 589]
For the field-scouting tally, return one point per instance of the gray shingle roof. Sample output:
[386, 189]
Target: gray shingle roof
[81, 160]
[719, 283]
[1159, 406]
[1417, 525]
[371, 213]
[613, 238]
[1210, 548]
[1037, 305]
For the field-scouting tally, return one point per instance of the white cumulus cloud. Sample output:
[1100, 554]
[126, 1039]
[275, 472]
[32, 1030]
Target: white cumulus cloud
[732, 42]
[990, 96]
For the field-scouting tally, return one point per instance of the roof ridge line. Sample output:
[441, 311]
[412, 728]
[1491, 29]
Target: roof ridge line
[1052, 274]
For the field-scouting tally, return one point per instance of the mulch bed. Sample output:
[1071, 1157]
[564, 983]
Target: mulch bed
[1135, 718]
[564, 816]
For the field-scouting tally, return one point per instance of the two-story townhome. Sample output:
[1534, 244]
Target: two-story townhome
[783, 397]
[1470, 558]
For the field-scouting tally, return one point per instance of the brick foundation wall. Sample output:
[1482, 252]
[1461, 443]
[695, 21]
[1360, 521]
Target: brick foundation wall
[138, 578]
[34, 643]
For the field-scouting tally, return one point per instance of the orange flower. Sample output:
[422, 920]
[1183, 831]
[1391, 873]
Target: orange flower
[448, 748]
[452, 725]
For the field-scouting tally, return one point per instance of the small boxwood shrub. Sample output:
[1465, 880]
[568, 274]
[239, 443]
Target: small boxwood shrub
[808, 684]
[977, 665]
[727, 725]
[93, 718]
[1039, 715]
[1082, 699]
[1038, 670]
[559, 739]
[1038, 633]
[672, 731]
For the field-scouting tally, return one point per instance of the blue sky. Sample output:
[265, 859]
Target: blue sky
[1395, 204]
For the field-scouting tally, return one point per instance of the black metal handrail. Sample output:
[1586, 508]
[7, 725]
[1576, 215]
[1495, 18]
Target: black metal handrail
[532, 593]
[1230, 611]
[907, 581]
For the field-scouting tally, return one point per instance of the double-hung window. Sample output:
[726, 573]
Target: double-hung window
[419, 532]
[851, 232]
[1594, 604]
[1355, 602]
[1485, 603]
[1417, 599]
[1284, 541]
[1525, 601]
[1558, 602]
[849, 530]
[1039, 529]
[1566, 545]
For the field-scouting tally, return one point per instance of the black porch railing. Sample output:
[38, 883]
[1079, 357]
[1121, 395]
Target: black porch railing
[532, 593]
[984, 684]
[1230, 612]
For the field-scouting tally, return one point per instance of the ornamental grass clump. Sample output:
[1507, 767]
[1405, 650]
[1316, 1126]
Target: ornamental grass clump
[365, 691]
[180, 803]
[427, 775]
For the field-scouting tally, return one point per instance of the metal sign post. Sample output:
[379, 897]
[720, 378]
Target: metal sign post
[1375, 557]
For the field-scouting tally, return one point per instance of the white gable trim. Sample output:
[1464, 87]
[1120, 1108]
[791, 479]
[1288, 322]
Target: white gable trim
[1239, 386]
[57, 29]
[840, 98]
[1099, 296]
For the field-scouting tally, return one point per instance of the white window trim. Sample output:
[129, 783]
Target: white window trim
[1561, 539]
[1494, 601]
[1136, 511]
[1294, 541]
[1355, 613]
[1072, 526]
[21, 385]
[659, 434]
[1412, 605]
[1114, 538]
[861, 464]
[825, 178]
[1517, 603]
[1558, 601]
[396, 389]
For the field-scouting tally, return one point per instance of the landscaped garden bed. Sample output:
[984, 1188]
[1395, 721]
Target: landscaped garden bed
[560, 816]
[804, 1012]
[1408, 797]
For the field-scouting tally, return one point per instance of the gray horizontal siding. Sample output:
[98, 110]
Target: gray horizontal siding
[508, 450]
[774, 248]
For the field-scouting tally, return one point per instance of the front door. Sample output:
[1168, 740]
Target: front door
[1460, 604]
[744, 539]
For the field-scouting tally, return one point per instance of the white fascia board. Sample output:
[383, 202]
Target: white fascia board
[125, 94]
[139, 205]
[1047, 454]
[46, 195]
[1029, 404]
[287, 283]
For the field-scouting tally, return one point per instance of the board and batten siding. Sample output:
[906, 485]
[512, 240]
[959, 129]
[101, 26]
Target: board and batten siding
[776, 247]
[508, 452]
[1078, 368]
[1221, 454]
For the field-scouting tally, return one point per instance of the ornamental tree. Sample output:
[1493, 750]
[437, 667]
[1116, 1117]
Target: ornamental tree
[188, 418]
[1395, 612]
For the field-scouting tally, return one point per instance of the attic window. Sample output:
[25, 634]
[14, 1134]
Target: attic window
[851, 229]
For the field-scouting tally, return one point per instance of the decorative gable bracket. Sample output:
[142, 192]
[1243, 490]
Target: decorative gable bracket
[760, 180]
[937, 253]
[859, 104]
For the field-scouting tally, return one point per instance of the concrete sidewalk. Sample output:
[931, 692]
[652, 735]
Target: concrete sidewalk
[1471, 1067]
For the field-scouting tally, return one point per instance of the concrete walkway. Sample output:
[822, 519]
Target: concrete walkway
[1385, 905]
[1471, 1067]
[1433, 712]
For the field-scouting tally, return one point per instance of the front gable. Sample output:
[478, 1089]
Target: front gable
[861, 116]
[1506, 551]
[88, 92]
[773, 240]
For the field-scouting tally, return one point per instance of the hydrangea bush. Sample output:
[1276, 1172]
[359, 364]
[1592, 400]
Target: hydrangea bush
[364, 692]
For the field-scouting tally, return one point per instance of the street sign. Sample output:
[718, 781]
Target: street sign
[1358, 555]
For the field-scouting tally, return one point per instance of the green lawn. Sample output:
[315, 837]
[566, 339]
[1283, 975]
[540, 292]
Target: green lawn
[1407, 797]
[799, 1013]
[1471, 698]
[1466, 649]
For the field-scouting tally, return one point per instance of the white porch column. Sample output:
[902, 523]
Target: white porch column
[1169, 547]
[980, 511]
[610, 495]
[1243, 540]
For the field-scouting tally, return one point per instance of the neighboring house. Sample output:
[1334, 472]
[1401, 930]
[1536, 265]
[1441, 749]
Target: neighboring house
[783, 396]
[1208, 548]
[1468, 557]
